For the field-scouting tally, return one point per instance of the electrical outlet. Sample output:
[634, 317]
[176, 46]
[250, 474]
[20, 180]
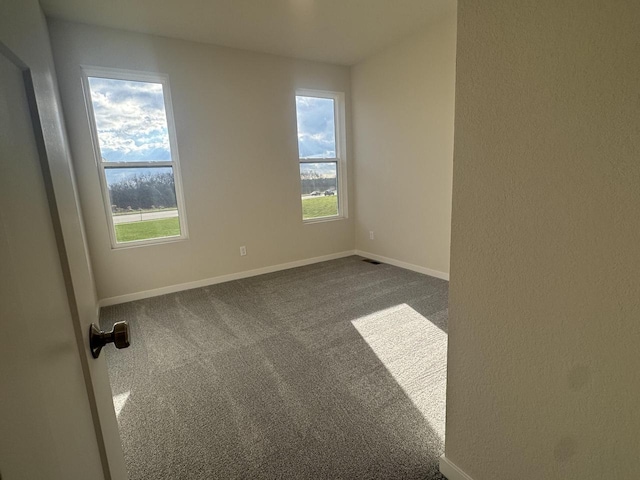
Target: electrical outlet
[243, 251]
[371, 236]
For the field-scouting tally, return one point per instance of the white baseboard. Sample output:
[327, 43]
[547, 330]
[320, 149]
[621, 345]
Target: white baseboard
[451, 470]
[130, 297]
[408, 266]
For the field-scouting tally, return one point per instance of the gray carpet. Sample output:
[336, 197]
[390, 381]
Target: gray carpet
[333, 370]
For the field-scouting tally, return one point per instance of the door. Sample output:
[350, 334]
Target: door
[47, 427]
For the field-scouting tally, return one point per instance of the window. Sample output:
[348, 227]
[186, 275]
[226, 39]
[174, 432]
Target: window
[136, 154]
[321, 144]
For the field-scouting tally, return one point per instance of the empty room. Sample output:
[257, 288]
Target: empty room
[312, 239]
[262, 345]
[285, 303]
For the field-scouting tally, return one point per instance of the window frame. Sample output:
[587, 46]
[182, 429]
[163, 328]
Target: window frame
[341, 152]
[174, 163]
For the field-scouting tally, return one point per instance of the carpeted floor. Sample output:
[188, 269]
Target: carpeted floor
[333, 370]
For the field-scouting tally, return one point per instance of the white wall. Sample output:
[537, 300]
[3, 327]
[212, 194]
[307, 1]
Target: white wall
[236, 129]
[403, 107]
[544, 330]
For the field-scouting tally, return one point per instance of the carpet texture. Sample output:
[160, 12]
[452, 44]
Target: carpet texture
[334, 370]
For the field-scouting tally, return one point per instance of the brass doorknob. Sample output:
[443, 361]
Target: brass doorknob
[119, 336]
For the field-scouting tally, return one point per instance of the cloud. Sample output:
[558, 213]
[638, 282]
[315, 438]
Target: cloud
[130, 119]
[316, 127]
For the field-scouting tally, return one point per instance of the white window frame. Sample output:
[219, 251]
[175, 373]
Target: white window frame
[341, 152]
[174, 163]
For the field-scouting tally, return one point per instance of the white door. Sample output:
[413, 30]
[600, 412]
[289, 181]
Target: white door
[47, 429]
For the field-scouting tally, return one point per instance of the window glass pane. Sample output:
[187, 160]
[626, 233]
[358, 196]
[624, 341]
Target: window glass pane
[130, 119]
[316, 127]
[143, 203]
[319, 189]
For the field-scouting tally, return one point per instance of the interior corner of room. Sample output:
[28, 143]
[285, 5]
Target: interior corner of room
[235, 119]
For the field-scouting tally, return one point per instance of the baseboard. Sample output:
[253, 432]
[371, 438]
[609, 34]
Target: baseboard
[451, 470]
[408, 266]
[130, 297]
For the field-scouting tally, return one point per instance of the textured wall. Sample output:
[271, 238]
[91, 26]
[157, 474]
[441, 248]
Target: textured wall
[236, 132]
[544, 369]
[403, 105]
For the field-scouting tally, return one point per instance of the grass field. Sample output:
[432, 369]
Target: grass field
[164, 227]
[314, 207]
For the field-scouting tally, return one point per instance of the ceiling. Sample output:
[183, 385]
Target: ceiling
[335, 31]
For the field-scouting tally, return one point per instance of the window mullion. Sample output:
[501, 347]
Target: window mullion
[319, 160]
[137, 164]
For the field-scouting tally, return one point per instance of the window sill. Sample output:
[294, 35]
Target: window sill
[148, 243]
[324, 219]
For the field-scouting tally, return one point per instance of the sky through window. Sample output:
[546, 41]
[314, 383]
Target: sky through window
[131, 121]
[316, 127]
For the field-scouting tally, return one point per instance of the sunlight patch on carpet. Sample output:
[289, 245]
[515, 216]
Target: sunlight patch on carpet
[119, 401]
[414, 351]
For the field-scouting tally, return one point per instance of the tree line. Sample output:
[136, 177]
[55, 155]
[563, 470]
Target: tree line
[313, 182]
[144, 191]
